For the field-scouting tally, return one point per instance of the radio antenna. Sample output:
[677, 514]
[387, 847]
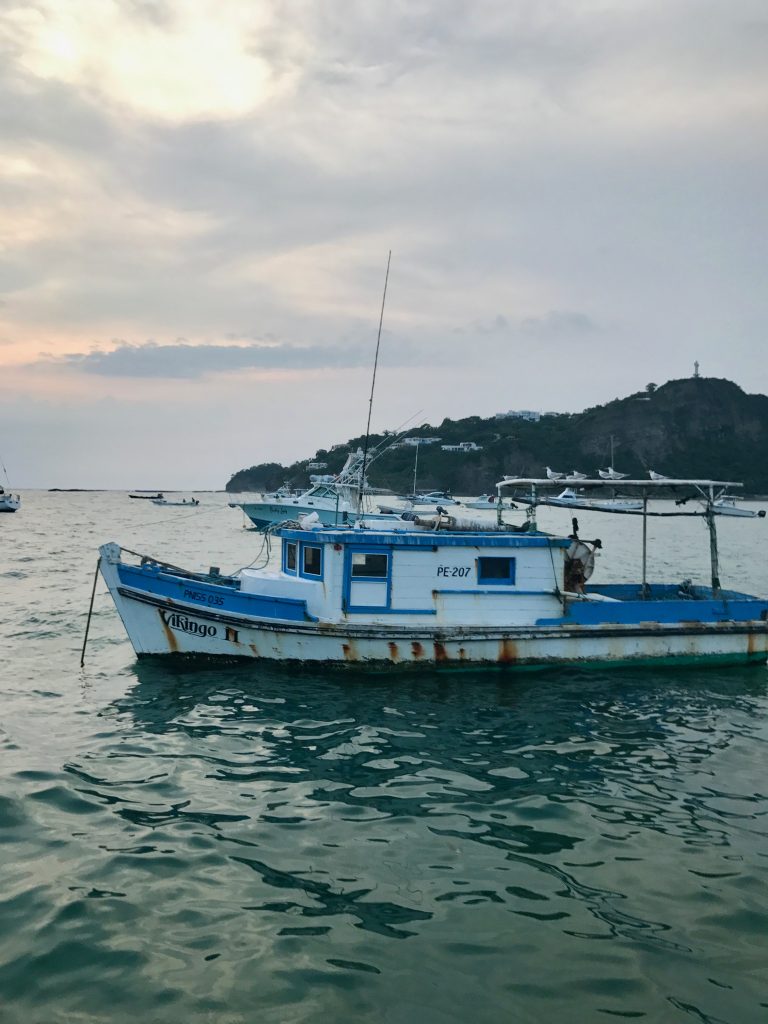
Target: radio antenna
[373, 385]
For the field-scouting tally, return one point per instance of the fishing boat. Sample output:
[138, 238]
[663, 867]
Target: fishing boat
[485, 501]
[726, 506]
[429, 499]
[578, 500]
[146, 497]
[184, 503]
[440, 590]
[9, 502]
[334, 503]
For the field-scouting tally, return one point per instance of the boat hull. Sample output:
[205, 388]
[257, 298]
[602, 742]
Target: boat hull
[265, 514]
[9, 504]
[161, 626]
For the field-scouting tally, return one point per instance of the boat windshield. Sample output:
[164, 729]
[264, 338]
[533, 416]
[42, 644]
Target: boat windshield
[322, 492]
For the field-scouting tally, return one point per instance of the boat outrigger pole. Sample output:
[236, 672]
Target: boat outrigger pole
[709, 515]
[373, 385]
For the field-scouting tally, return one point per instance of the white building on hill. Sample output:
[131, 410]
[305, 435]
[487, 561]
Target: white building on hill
[462, 446]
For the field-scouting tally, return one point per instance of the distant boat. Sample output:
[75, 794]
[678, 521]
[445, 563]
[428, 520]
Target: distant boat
[9, 502]
[726, 506]
[334, 503]
[189, 502]
[147, 497]
[572, 499]
[430, 498]
[487, 501]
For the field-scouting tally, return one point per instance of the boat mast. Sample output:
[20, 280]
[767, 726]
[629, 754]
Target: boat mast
[415, 468]
[373, 385]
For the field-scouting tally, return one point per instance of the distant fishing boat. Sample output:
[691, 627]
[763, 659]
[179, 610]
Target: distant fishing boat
[147, 497]
[429, 499]
[726, 506]
[185, 502]
[572, 499]
[335, 503]
[486, 501]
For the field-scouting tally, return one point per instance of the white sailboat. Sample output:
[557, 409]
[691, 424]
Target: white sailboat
[8, 502]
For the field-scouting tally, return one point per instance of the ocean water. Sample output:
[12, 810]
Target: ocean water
[245, 844]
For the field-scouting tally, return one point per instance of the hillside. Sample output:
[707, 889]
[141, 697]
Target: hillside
[701, 426]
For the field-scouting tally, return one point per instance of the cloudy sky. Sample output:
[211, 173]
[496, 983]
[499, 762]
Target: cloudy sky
[198, 197]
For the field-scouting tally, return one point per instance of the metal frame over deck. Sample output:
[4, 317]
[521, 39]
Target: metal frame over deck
[705, 491]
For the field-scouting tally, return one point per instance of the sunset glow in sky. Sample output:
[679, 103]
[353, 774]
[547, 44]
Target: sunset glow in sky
[198, 198]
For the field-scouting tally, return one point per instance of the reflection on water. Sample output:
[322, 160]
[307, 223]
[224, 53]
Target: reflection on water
[238, 844]
[537, 840]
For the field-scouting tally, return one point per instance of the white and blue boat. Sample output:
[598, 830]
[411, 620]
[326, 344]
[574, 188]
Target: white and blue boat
[438, 591]
[334, 503]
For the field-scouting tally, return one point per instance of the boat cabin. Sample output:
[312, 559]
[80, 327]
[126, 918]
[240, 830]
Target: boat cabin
[438, 577]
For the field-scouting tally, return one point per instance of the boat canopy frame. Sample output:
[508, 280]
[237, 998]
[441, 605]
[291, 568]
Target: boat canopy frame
[706, 491]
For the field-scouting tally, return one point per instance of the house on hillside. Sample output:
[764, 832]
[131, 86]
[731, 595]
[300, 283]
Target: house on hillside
[462, 446]
[520, 414]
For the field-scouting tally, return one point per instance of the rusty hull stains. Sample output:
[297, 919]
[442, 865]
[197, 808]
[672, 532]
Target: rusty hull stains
[350, 651]
[440, 652]
[417, 650]
[173, 644]
[507, 652]
[394, 652]
[254, 649]
[462, 654]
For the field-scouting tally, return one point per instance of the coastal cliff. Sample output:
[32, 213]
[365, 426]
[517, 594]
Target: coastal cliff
[694, 427]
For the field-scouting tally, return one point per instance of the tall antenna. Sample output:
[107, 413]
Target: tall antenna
[373, 385]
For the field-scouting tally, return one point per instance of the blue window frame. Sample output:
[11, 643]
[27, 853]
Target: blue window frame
[290, 556]
[311, 564]
[498, 571]
[370, 565]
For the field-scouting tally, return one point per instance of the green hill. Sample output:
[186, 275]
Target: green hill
[695, 427]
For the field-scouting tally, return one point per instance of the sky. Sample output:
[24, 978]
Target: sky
[197, 200]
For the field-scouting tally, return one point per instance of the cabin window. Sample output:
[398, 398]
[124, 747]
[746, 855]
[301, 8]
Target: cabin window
[312, 561]
[496, 570]
[370, 565]
[289, 560]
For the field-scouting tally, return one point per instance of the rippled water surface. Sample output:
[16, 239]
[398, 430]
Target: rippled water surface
[242, 844]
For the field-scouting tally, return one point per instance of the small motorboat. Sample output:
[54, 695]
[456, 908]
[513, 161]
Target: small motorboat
[184, 503]
[147, 497]
[726, 506]
[487, 501]
[430, 498]
[573, 499]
